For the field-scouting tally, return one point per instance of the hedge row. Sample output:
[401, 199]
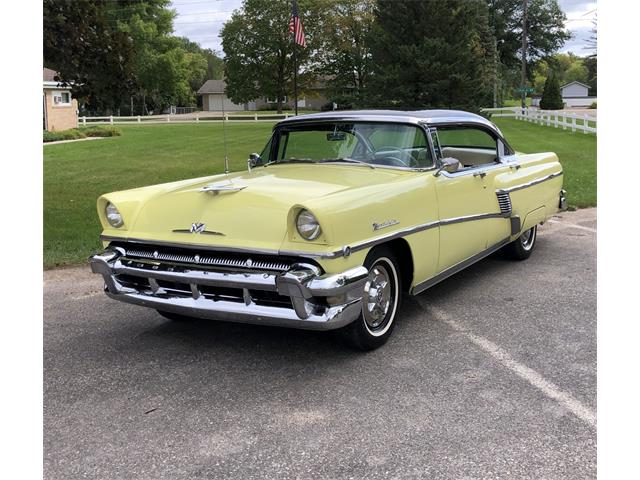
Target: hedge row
[77, 133]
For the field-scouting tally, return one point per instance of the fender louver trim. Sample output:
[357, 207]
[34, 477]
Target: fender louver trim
[504, 201]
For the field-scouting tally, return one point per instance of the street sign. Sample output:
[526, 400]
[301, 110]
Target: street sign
[525, 89]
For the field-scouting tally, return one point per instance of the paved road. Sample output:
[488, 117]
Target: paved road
[491, 374]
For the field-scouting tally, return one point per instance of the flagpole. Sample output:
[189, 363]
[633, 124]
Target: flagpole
[295, 65]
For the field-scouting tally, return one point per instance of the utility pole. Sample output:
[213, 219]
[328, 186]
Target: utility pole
[523, 77]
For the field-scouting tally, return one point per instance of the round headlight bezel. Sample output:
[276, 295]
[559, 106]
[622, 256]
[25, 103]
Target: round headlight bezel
[113, 215]
[311, 229]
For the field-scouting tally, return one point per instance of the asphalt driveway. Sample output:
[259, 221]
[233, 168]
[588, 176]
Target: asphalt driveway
[490, 374]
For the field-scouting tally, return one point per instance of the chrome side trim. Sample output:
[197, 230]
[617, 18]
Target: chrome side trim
[421, 287]
[470, 218]
[342, 252]
[529, 184]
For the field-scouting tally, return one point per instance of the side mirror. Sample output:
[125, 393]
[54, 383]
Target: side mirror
[253, 161]
[449, 165]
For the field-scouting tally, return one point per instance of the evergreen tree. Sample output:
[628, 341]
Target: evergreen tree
[551, 96]
[434, 54]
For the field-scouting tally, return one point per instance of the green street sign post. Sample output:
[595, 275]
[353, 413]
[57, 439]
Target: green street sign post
[525, 89]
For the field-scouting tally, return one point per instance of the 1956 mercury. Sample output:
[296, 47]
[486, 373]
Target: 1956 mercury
[339, 215]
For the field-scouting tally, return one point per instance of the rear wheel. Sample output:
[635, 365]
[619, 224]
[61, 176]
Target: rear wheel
[380, 301]
[521, 247]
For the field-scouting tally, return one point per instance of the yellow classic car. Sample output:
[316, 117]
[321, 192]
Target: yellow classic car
[341, 214]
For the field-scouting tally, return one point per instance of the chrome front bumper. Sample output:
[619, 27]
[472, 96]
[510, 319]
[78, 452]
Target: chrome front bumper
[312, 301]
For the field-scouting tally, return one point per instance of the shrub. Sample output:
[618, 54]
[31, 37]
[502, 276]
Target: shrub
[76, 134]
[96, 131]
[72, 134]
[551, 96]
[594, 105]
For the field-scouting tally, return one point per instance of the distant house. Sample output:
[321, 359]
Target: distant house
[214, 98]
[59, 110]
[576, 94]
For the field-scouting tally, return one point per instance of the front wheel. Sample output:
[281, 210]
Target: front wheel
[521, 247]
[380, 301]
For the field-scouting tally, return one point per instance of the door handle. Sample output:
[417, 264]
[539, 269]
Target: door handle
[480, 174]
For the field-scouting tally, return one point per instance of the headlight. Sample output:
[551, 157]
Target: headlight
[307, 225]
[113, 215]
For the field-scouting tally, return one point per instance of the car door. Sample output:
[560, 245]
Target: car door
[470, 217]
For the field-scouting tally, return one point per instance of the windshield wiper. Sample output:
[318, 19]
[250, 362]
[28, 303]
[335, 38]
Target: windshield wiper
[290, 160]
[349, 160]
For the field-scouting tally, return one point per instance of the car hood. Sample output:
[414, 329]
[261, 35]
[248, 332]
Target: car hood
[256, 215]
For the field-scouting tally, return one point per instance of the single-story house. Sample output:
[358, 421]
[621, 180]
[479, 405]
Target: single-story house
[214, 96]
[59, 110]
[576, 94]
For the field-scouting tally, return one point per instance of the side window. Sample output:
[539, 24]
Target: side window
[471, 146]
[436, 142]
[266, 152]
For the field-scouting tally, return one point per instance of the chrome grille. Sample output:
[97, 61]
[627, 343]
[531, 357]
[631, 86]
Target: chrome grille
[504, 201]
[208, 259]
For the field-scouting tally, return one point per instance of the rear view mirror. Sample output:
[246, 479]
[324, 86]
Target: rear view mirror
[449, 165]
[336, 137]
[254, 160]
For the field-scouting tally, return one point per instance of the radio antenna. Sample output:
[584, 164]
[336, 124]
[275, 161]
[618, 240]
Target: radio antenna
[224, 136]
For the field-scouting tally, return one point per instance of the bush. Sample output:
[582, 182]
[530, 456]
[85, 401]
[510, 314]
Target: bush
[551, 96]
[76, 134]
[594, 105]
[101, 131]
[72, 134]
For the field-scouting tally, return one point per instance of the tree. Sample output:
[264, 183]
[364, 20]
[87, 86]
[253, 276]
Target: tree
[258, 49]
[443, 63]
[567, 67]
[592, 41]
[80, 43]
[546, 32]
[345, 55]
[551, 97]
[112, 51]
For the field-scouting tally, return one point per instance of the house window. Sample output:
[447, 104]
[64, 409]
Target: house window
[275, 100]
[61, 98]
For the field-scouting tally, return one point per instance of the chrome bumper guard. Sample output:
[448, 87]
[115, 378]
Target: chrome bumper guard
[562, 204]
[318, 302]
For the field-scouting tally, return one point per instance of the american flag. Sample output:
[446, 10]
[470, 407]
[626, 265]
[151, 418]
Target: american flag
[295, 25]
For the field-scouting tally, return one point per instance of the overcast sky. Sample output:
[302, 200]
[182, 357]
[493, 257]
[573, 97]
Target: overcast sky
[202, 20]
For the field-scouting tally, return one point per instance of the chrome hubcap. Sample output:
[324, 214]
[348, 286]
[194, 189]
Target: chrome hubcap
[377, 296]
[527, 238]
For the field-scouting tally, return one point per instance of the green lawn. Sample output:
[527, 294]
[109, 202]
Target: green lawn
[75, 174]
[577, 153]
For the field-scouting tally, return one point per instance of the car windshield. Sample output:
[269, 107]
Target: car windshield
[369, 144]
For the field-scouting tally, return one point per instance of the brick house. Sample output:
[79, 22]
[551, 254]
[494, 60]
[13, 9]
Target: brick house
[60, 111]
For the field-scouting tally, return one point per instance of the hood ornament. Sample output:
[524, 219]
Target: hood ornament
[222, 188]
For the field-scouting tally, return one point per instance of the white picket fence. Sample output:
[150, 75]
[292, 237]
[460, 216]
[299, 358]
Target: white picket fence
[551, 118]
[192, 118]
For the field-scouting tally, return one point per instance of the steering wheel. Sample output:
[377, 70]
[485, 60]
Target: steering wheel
[391, 160]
